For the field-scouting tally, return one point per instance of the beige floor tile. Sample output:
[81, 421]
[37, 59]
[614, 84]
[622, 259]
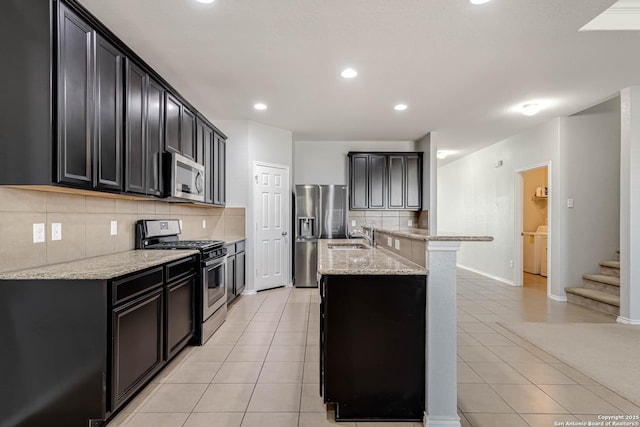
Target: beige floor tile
[467, 340]
[477, 354]
[256, 326]
[311, 399]
[292, 326]
[174, 398]
[158, 420]
[121, 419]
[481, 398]
[495, 340]
[497, 373]
[574, 374]
[619, 402]
[290, 338]
[463, 421]
[515, 354]
[542, 373]
[266, 317]
[214, 419]
[579, 400]
[311, 373]
[275, 398]
[468, 375]
[312, 353]
[281, 372]
[255, 338]
[225, 398]
[234, 326]
[270, 419]
[547, 420]
[238, 373]
[314, 419]
[475, 327]
[248, 353]
[495, 420]
[286, 353]
[528, 399]
[210, 354]
[194, 373]
[224, 338]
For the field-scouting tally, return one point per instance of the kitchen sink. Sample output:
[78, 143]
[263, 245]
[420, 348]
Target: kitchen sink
[347, 246]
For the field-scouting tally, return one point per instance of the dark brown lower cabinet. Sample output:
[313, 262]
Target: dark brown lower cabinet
[137, 344]
[235, 269]
[180, 315]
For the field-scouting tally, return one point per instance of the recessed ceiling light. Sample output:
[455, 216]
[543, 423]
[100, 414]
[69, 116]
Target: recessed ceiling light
[260, 106]
[530, 109]
[400, 107]
[349, 73]
[479, 1]
[205, 1]
[442, 154]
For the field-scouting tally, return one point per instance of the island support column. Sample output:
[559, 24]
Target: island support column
[441, 353]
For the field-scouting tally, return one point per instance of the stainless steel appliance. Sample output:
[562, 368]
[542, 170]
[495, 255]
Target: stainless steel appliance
[186, 178]
[321, 213]
[211, 299]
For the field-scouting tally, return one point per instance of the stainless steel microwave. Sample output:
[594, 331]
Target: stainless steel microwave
[186, 178]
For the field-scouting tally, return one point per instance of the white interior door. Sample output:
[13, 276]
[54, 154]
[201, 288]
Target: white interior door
[272, 226]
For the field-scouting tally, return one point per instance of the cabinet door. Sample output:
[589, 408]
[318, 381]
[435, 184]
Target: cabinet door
[137, 344]
[75, 100]
[396, 182]
[231, 277]
[377, 181]
[240, 272]
[219, 161]
[108, 103]
[209, 164]
[201, 136]
[172, 124]
[188, 134]
[180, 315]
[359, 181]
[155, 137]
[413, 179]
[135, 141]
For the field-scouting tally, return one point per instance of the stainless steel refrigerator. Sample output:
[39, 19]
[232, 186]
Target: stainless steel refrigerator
[321, 213]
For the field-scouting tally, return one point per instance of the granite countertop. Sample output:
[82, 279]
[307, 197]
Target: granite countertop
[371, 261]
[236, 239]
[101, 267]
[422, 234]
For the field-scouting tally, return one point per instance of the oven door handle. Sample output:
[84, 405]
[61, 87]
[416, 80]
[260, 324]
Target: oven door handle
[217, 261]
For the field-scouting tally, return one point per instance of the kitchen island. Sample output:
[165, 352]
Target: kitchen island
[372, 332]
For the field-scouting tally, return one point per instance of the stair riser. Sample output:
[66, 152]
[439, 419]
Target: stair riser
[610, 271]
[604, 287]
[610, 310]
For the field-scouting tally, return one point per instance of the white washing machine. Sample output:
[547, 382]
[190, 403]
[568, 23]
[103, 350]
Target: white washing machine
[535, 251]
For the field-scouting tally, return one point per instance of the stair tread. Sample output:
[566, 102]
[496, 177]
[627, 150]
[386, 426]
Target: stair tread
[595, 295]
[611, 264]
[609, 280]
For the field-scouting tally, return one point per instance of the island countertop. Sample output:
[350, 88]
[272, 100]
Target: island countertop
[371, 261]
[422, 234]
[102, 267]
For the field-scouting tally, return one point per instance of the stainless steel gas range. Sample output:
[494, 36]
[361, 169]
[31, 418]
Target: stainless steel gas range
[211, 299]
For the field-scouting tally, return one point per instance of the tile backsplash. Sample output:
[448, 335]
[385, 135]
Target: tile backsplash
[392, 220]
[86, 225]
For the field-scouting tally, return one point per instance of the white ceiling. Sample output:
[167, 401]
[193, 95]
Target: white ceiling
[462, 69]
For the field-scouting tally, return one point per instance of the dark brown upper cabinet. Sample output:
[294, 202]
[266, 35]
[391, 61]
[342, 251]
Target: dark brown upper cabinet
[219, 170]
[89, 106]
[188, 134]
[180, 129]
[382, 181]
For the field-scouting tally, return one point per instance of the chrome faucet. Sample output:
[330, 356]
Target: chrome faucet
[361, 233]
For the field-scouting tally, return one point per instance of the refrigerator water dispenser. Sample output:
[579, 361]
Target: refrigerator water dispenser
[306, 226]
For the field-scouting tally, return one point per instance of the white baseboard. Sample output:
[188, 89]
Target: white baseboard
[490, 276]
[441, 421]
[626, 321]
[250, 292]
[557, 298]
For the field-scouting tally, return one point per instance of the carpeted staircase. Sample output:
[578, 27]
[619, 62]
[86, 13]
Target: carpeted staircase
[600, 292]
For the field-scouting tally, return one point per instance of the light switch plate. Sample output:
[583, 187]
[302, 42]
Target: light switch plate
[204, 223]
[353, 222]
[56, 231]
[569, 203]
[389, 241]
[397, 244]
[114, 228]
[38, 233]
[409, 223]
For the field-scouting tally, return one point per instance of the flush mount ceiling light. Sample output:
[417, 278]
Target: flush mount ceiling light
[530, 109]
[260, 106]
[442, 154]
[205, 1]
[479, 1]
[400, 107]
[349, 73]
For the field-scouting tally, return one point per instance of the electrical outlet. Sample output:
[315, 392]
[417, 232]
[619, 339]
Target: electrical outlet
[204, 223]
[409, 223]
[180, 222]
[511, 263]
[353, 222]
[569, 203]
[38, 233]
[56, 231]
[114, 228]
[397, 244]
[389, 241]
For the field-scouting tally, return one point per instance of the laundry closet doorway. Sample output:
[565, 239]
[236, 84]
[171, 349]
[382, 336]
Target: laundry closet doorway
[535, 220]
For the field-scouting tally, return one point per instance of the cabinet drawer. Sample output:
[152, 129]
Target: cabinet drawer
[231, 249]
[181, 268]
[240, 246]
[132, 286]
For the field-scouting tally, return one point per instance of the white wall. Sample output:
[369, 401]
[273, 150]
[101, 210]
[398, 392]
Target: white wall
[249, 142]
[325, 162]
[475, 197]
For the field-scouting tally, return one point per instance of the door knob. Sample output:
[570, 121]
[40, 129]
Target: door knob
[284, 233]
